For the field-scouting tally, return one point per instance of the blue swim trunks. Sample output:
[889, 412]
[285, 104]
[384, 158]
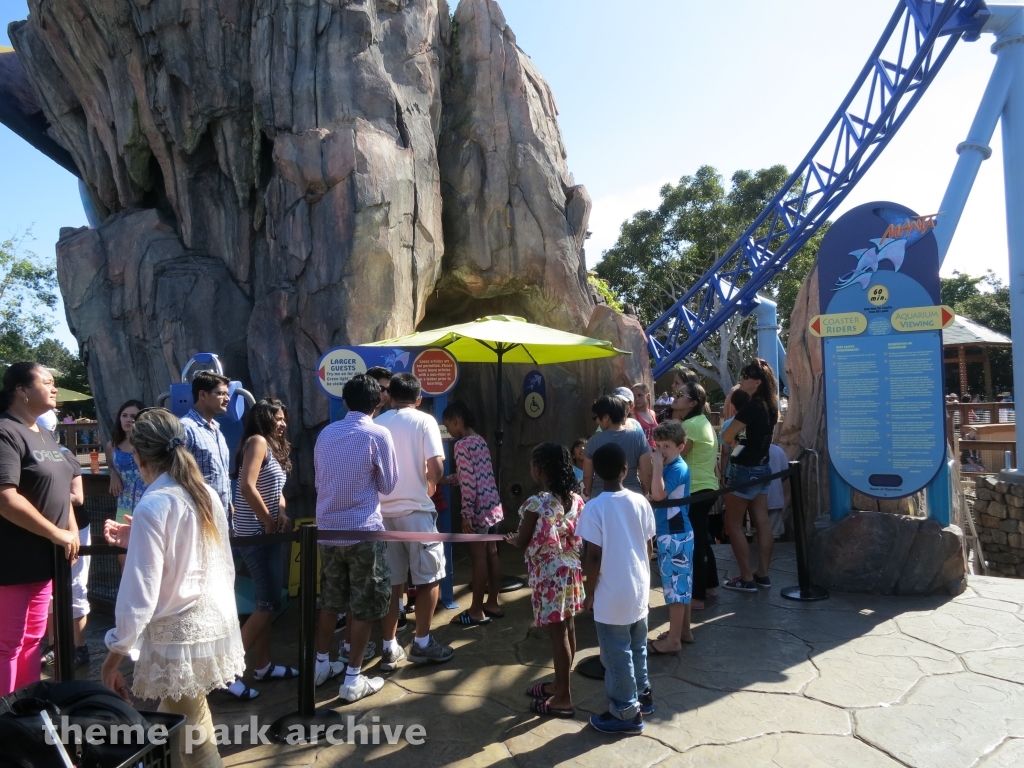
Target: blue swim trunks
[675, 561]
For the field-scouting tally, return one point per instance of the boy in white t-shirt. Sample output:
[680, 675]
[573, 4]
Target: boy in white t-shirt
[618, 526]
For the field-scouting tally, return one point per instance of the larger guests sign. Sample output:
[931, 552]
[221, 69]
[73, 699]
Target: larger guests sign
[436, 368]
[881, 326]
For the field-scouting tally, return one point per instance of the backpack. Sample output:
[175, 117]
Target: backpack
[83, 703]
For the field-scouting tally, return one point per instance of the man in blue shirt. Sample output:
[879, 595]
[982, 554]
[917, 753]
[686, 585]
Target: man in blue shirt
[203, 438]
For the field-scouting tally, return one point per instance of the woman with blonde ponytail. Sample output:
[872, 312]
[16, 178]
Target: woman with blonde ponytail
[176, 615]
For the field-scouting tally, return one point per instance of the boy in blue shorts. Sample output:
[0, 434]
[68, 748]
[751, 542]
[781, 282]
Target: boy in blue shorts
[671, 480]
[618, 526]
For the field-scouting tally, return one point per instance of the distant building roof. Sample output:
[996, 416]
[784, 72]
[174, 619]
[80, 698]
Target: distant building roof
[969, 333]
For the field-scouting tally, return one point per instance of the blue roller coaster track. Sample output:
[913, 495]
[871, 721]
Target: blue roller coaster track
[915, 44]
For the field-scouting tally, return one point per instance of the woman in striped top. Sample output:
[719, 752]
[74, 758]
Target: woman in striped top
[263, 461]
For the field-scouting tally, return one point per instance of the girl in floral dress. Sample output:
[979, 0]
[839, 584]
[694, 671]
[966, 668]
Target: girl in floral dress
[547, 530]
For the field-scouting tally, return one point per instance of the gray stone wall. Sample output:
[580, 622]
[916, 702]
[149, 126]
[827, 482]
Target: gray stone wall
[999, 516]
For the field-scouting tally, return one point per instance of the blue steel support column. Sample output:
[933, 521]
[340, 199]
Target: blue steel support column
[768, 334]
[1009, 47]
[840, 495]
[973, 152]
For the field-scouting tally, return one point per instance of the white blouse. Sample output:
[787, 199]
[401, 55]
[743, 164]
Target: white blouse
[176, 614]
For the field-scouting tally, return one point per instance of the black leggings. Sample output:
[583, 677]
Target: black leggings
[705, 569]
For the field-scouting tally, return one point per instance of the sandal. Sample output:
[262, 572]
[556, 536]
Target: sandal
[247, 693]
[653, 651]
[287, 673]
[468, 621]
[537, 691]
[541, 707]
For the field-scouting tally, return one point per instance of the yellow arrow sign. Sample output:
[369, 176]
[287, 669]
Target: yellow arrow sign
[922, 318]
[842, 324]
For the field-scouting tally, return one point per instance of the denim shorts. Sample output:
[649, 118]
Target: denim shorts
[738, 474]
[266, 569]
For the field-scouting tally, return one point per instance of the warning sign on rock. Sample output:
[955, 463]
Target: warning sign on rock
[437, 370]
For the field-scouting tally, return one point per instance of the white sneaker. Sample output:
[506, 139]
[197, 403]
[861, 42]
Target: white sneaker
[363, 686]
[325, 670]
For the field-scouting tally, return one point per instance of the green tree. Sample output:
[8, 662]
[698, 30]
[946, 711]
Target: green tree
[661, 253]
[28, 297]
[959, 287]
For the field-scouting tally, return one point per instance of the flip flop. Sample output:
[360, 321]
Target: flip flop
[537, 691]
[494, 614]
[288, 674]
[541, 707]
[468, 621]
[652, 651]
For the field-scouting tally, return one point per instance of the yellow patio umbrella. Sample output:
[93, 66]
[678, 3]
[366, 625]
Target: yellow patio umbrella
[506, 338]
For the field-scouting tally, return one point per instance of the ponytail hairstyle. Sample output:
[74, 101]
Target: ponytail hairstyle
[17, 375]
[555, 461]
[260, 421]
[767, 390]
[696, 392]
[117, 435]
[159, 440]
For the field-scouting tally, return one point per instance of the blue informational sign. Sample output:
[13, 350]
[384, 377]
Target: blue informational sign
[340, 364]
[881, 324]
[535, 394]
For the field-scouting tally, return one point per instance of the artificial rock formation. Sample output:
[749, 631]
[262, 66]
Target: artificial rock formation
[273, 179]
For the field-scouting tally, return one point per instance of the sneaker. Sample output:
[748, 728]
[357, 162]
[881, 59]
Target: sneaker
[369, 653]
[363, 686]
[434, 653]
[609, 723]
[764, 582]
[81, 656]
[403, 623]
[737, 584]
[47, 656]
[325, 670]
[389, 660]
[646, 700]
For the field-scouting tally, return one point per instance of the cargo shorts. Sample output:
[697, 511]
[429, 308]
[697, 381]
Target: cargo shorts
[355, 580]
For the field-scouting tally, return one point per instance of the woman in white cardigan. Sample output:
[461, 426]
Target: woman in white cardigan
[176, 615]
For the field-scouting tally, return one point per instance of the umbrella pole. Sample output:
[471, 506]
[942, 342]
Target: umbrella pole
[508, 583]
[499, 432]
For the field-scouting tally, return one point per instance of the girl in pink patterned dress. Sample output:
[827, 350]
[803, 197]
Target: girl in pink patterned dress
[481, 512]
[548, 532]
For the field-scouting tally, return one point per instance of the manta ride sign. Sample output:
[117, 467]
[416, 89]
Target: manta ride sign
[881, 327]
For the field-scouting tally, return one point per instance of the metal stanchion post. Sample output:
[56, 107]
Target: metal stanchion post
[63, 631]
[307, 714]
[806, 591]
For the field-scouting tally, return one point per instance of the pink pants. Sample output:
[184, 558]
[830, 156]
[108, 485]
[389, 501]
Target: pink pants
[23, 609]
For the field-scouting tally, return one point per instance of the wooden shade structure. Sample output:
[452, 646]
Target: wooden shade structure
[966, 341]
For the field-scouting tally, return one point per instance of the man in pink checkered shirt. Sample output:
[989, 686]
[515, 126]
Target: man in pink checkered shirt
[355, 464]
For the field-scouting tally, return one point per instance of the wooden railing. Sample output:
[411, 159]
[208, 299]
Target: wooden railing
[981, 413]
[80, 437]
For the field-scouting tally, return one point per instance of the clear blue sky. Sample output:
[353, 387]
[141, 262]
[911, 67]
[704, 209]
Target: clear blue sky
[648, 92]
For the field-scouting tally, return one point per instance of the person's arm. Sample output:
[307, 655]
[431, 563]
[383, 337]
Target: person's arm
[385, 466]
[588, 476]
[657, 481]
[591, 573]
[253, 455]
[733, 431]
[687, 447]
[143, 572]
[77, 493]
[645, 468]
[284, 523]
[526, 527]
[435, 471]
[20, 511]
[467, 480]
[116, 483]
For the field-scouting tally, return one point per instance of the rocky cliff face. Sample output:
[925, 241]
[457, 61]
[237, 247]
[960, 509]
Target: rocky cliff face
[278, 178]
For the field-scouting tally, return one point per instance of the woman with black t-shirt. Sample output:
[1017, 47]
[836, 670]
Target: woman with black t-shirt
[35, 514]
[749, 463]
